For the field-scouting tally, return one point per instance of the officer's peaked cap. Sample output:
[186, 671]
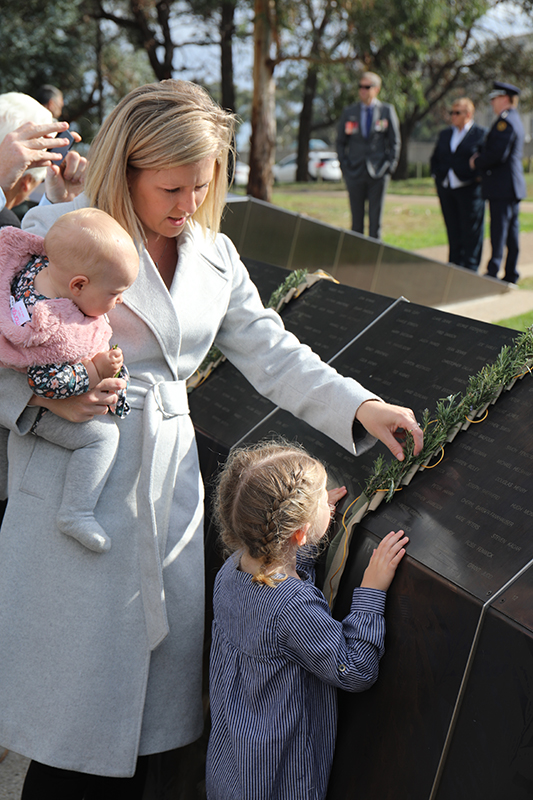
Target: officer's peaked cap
[500, 88]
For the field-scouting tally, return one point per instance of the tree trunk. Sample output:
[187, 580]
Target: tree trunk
[402, 170]
[227, 29]
[304, 129]
[263, 139]
[162, 69]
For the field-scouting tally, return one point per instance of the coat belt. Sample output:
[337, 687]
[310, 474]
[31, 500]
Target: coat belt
[159, 401]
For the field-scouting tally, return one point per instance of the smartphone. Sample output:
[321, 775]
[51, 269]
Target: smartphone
[65, 148]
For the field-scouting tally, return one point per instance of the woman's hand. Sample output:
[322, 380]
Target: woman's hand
[384, 560]
[389, 423]
[64, 183]
[83, 407]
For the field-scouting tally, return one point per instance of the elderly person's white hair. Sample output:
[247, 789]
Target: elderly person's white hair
[16, 109]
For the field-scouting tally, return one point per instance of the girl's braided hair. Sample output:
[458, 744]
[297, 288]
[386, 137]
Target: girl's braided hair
[265, 493]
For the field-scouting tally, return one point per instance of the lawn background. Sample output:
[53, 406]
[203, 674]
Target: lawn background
[412, 218]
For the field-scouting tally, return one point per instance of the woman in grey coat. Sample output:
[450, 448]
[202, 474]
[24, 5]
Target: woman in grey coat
[101, 653]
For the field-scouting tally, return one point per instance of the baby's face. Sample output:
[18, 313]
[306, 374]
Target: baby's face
[97, 300]
[104, 292]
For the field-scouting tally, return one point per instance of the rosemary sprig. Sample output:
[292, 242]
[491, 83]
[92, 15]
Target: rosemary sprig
[450, 412]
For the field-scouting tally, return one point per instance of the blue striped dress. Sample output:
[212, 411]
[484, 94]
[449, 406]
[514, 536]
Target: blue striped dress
[277, 657]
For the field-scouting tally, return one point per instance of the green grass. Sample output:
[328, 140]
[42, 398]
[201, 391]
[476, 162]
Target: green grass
[409, 226]
[413, 227]
[526, 221]
[518, 323]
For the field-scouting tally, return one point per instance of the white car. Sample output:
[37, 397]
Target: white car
[242, 172]
[323, 165]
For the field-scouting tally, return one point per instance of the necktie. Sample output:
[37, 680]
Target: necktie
[368, 121]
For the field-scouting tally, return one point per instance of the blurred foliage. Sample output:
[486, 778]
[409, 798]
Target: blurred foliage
[427, 51]
[61, 44]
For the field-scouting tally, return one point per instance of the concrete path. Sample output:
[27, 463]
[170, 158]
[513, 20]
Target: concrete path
[12, 772]
[494, 309]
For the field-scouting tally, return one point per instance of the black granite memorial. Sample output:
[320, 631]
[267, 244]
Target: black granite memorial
[453, 704]
[451, 716]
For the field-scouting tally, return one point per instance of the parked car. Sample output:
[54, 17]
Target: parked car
[326, 166]
[323, 165]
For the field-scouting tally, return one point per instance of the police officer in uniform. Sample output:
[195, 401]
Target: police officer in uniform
[502, 176]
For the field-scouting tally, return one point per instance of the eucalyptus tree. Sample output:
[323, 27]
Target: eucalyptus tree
[423, 50]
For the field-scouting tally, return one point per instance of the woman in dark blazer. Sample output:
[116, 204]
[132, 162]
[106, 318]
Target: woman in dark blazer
[459, 186]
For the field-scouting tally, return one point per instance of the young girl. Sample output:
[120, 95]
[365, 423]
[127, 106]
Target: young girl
[277, 654]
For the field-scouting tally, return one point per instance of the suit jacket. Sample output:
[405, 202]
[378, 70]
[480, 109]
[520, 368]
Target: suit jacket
[102, 653]
[376, 155]
[442, 158]
[500, 159]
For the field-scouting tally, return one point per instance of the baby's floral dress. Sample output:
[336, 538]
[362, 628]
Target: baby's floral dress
[47, 380]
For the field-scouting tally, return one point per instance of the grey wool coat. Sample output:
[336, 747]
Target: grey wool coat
[100, 654]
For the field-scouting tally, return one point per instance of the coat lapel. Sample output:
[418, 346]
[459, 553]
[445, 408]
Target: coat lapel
[465, 138]
[376, 114]
[149, 299]
[447, 137]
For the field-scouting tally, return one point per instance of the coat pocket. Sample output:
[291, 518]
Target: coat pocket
[40, 478]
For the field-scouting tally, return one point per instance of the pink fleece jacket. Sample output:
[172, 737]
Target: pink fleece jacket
[58, 332]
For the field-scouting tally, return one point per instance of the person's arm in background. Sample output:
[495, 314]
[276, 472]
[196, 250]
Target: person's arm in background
[395, 140]
[64, 183]
[26, 147]
[341, 142]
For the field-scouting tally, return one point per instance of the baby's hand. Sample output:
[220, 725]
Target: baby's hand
[108, 363]
[384, 560]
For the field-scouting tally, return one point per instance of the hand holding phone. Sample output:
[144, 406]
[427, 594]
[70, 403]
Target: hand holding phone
[63, 150]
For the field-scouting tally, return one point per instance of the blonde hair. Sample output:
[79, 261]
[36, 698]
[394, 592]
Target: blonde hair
[265, 493]
[159, 126]
[466, 102]
[87, 240]
[374, 79]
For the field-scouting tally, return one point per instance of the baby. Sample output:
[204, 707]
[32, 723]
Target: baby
[85, 263]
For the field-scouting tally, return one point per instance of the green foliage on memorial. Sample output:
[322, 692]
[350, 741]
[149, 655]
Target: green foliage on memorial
[452, 414]
[293, 281]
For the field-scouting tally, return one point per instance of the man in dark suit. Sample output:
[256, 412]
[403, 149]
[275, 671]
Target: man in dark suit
[368, 146]
[459, 186]
[503, 183]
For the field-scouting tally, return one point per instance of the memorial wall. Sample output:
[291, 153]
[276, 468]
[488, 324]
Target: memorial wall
[266, 232]
[451, 715]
